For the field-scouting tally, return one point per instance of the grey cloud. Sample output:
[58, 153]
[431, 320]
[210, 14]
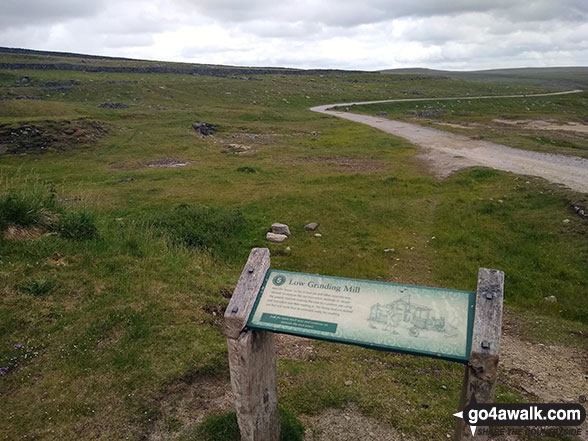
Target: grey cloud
[18, 12]
[352, 12]
[270, 29]
[329, 33]
[124, 41]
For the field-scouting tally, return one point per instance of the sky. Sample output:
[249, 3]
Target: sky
[342, 34]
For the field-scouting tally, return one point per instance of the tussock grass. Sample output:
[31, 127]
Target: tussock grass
[30, 208]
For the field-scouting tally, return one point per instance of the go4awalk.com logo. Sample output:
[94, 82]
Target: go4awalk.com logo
[529, 415]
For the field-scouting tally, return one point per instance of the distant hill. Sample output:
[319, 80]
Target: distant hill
[17, 58]
[572, 77]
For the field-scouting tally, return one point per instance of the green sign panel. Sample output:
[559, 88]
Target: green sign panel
[404, 318]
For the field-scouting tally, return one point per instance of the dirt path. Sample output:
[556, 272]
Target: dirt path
[449, 152]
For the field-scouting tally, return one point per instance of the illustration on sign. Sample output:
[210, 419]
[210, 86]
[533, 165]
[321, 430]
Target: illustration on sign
[402, 315]
[414, 319]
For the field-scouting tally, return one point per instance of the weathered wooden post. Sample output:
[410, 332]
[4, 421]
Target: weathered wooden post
[252, 357]
[481, 371]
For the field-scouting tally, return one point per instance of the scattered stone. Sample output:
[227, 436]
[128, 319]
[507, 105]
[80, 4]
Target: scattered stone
[204, 128]
[433, 113]
[113, 106]
[288, 250]
[167, 163]
[62, 83]
[278, 228]
[550, 299]
[46, 136]
[318, 235]
[566, 221]
[348, 383]
[237, 149]
[311, 226]
[443, 387]
[580, 211]
[22, 98]
[389, 250]
[273, 237]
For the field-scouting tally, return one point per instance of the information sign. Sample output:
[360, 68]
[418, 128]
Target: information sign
[404, 318]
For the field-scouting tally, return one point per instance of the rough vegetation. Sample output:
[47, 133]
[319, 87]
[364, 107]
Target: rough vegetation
[44, 136]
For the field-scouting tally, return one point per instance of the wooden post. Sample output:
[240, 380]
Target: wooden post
[252, 357]
[481, 372]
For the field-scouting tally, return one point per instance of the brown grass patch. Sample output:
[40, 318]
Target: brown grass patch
[17, 233]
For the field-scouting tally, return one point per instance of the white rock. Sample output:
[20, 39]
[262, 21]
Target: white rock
[278, 228]
[550, 299]
[273, 237]
[318, 235]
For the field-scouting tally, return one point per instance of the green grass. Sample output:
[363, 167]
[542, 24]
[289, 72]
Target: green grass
[206, 228]
[117, 303]
[225, 428]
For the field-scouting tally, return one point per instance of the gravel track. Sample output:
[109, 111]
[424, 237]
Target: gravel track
[448, 152]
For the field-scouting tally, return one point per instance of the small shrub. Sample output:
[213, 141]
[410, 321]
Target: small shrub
[38, 287]
[77, 225]
[246, 170]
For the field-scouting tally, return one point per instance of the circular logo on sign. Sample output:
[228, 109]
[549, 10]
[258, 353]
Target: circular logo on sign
[279, 280]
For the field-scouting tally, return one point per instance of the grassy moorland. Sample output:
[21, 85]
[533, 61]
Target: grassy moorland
[115, 267]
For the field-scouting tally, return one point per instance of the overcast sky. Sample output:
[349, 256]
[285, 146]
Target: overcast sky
[366, 34]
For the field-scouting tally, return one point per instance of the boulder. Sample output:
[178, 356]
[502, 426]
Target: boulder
[311, 226]
[273, 237]
[278, 228]
[204, 128]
